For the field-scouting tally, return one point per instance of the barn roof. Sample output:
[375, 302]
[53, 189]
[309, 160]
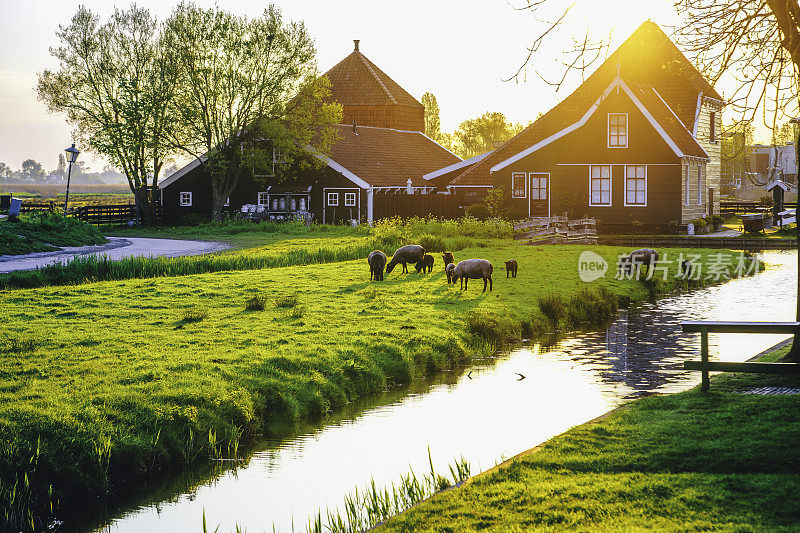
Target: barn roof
[356, 80]
[657, 73]
[383, 157]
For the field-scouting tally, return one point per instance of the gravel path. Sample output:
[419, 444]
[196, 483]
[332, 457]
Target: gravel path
[116, 248]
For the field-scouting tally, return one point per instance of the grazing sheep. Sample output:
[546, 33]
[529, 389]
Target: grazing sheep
[410, 253]
[426, 265]
[638, 258]
[376, 260]
[473, 269]
[447, 257]
[511, 268]
[448, 270]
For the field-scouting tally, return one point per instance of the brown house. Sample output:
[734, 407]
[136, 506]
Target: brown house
[637, 143]
[382, 151]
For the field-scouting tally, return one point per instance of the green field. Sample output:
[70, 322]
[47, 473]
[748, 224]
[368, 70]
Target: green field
[722, 461]
[108, 382]
[44, 232]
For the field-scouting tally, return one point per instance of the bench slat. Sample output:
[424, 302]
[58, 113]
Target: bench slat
[693, 326]
[750, 368]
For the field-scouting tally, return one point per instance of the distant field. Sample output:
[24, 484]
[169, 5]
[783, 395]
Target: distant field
[79, 195]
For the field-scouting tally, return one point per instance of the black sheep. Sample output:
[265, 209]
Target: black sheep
[426, 265]
[511, 268]
[376, 260]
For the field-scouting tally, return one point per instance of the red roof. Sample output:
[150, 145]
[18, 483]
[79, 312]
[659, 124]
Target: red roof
[356, 80]
[385, 157]
[647, 58]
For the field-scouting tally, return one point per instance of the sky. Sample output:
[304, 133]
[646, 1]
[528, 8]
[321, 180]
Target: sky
[461, 51]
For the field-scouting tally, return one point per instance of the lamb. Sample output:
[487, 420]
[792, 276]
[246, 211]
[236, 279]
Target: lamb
[638, 258]
[410, 253]
[447, 257]
[426, 264]
[376, 260]
[511, 268]
[473, 269]
[448, 270]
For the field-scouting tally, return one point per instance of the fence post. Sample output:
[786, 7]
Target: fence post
[704, 359]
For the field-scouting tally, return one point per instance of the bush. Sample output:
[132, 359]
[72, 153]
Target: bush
[591, 308]
[432, 243]
[479, 211]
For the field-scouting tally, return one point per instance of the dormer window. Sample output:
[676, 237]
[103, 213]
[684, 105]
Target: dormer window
[617, 130]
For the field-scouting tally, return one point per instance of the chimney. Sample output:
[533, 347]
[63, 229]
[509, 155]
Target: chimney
[356, 41]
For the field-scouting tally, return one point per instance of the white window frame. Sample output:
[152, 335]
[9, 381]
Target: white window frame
[625, 180]
[539, 176]
[265, 196]
[185, 203]
[608, 131]
[332, 199]
[700, 184]
[610, 186]
[524, 177]
[349, 199]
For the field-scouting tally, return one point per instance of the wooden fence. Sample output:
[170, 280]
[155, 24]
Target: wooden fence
[450, 206]
[557, 230]
[37, 206]
[109, 214]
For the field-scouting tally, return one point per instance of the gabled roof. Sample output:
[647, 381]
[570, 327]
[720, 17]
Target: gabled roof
[383, 157]
[646, 58]
[356, 80]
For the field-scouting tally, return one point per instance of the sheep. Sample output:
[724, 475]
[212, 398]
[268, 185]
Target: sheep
[473, 269]
[511, 268]
[447, 257]
[410, 253]
[376, 260]
[448, 270]
[426, 264]
[638, 258]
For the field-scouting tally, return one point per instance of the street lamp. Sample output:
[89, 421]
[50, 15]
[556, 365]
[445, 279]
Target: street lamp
[72, 156]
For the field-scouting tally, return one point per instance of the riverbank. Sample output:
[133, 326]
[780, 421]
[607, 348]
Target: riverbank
[167, 383]
[45, 232]
[725, 460]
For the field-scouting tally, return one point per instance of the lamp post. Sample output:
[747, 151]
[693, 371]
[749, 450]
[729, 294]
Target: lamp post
[72, 156]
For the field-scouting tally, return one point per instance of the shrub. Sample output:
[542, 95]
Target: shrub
[286, 302]
[478, 211]
[432, 243]
[553, 307]
[256, 303]
[492, 327]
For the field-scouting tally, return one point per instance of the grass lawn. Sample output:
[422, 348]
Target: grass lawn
[684, 462]
[103, 383]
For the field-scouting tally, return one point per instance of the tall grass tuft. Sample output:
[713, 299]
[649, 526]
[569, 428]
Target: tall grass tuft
[256, 303]
[286, 302]
[553, 307]
[366, 508]
[194, 314]
[591, 308]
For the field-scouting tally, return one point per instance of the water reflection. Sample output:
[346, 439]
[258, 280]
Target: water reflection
[485, 416]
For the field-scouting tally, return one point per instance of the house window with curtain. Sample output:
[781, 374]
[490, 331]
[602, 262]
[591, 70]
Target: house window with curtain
[186, 199]
[518, 185]
[635, 185]
[617, 130]
[600, 189]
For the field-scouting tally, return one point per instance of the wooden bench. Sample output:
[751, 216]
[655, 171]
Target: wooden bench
[706, 366]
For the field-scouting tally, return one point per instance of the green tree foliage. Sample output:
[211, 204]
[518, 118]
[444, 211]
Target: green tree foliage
[786, 134]
[246, 87]
[480, 135]
[32, 170]
[114, 82]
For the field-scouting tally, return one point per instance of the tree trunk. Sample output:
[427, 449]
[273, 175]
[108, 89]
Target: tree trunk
[143, 205]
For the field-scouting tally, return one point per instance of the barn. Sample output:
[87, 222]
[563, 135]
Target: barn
[382, 155]
[636, 145]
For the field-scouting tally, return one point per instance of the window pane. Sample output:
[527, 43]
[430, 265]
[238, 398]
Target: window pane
[605, 184]
[543, 183]
[534, 194]
[595, 197]
[640, 198]
[595, 172]
[630, 197]
[605, 197]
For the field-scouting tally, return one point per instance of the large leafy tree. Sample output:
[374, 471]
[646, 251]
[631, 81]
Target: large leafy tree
[248, 90]
[114, 82]
[480, 135]
[736, 138]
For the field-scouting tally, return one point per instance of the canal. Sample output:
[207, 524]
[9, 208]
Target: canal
[486, 413]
